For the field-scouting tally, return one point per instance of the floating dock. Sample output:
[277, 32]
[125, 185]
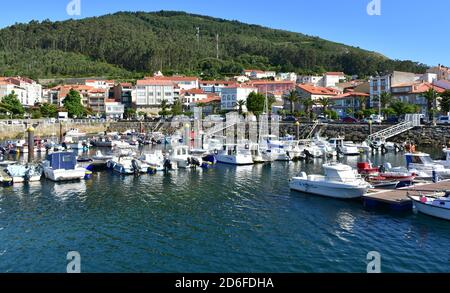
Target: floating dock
[398, 199]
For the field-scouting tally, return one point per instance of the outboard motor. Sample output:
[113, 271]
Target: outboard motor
[135, 165]
[195, 162]
[167, 165]
[308, 155]
[384, 150]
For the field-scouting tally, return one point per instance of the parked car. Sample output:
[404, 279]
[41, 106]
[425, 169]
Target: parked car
[443, 120]
[290, 119]
[349, 120]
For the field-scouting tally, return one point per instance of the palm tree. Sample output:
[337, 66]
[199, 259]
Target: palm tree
[325, 103]
[308, 103]
[431, 97]
[240, 104]
[292, 98]
[385, 100]
[362, 102]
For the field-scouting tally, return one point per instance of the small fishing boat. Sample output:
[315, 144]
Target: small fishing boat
[180, 155]
[404, 177]
[127, 165]
[382, 182]
[62, 166]
[435, 205]
[344, 148]
[340, 181]
[424, 166]
[235, 155]
[155, 160]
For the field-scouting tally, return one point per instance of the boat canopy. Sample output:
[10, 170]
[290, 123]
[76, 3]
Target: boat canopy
[63, 160]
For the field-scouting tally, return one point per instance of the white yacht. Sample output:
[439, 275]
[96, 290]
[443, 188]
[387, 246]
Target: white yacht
[424, 166]
[235, 155]
[127, 165]
[340, 181]
[347, 149]
[62, 166]
[436, 205]
[310, 149]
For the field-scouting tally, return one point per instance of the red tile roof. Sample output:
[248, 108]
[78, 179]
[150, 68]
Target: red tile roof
[154, 82]
[350, 94]
[316, 90]
[173, 78]
[420, 87]
[335, 73]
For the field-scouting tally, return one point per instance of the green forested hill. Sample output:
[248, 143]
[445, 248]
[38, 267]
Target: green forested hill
[129, 44]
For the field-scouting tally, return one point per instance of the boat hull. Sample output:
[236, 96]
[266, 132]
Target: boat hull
[235, 160]
[430, 210]
[335, 190]
[64, 175]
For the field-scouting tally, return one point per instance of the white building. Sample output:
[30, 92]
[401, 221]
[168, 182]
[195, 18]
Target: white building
[114, 109]
[315, 80]
[100, 84]
[150, 93]
[331, 79]
[27, 90]
[7, 88]
[286, 76]
[231, 95]
[191, 96]
[259, 74]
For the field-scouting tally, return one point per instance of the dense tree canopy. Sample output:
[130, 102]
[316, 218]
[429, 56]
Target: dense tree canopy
[72, 102]
[129, 44]
[10, 103]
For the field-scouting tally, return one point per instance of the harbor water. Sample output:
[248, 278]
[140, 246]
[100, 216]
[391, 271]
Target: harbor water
[224, 219]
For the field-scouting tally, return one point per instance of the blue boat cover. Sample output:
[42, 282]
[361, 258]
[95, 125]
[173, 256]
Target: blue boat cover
[63, 160]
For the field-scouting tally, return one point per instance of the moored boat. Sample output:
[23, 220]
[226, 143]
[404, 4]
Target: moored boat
[340, 181]
[435, 205]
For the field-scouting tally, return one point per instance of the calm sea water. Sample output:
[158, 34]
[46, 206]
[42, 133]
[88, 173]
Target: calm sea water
[226, 219]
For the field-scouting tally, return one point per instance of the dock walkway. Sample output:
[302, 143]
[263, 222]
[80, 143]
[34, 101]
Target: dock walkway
[398, 199]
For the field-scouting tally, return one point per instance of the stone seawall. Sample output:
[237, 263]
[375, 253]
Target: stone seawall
[423, 135]
[49, 129]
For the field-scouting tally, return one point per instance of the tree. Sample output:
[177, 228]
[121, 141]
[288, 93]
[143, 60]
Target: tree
[164, 109]
[292, 98]
[49, 110]
[130, 113]
[325, 103]
[385, 100]
[12, 104]
[177, 108]
[308, 103]
[362, 100]
[72, 102]
[431, 96]
[445, 102]
[255, 103]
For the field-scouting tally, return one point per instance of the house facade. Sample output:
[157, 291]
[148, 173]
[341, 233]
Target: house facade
[232, 94]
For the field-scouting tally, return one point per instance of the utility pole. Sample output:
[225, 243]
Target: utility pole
[217, 46]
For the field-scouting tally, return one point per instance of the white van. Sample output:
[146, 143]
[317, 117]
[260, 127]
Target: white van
[443, 120]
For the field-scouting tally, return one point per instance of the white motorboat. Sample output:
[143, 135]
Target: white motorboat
[274, 148]
[345, 148]
[436, 205]
[235, 155]
[127, 165]
[75, 132]
[424, 166]
[446, 162]
[326, 148]
[310, 149]
[155, 160]
[121, 144]
[62, 166]
[340, 181]
[180, 155]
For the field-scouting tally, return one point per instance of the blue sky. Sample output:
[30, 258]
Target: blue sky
[406, 29]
